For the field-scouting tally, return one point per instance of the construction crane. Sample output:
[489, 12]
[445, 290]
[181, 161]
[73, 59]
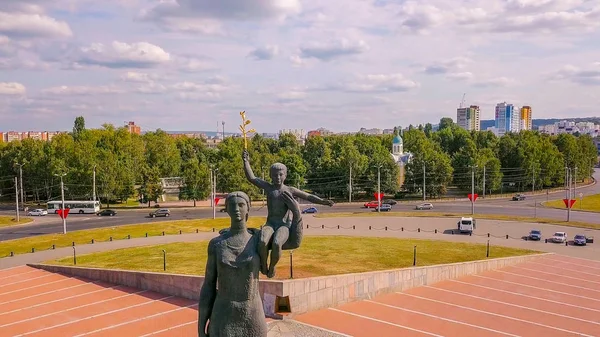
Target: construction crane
[463, 101]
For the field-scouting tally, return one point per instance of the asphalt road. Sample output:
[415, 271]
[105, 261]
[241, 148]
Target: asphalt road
[530, 207]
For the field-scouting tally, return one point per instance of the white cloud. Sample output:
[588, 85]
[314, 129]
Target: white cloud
[264, 53]
[326, 51]
[123, 55]
[589, 75]
[291, 96]
[374, 83]
[133, 76]
[81, 90]
[12, 88]
[494, 82]
[32, 25]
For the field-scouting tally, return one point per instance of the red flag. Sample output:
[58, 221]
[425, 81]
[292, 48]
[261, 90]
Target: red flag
[217, 201]
[63, 215]
[473, 197]
[378, 196]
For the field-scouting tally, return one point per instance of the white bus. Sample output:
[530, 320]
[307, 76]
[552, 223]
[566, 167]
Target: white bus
[80, 207]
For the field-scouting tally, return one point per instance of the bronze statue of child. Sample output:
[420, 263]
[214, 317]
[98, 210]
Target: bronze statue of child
[280, 199]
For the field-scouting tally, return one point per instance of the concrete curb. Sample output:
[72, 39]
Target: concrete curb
[302, 295]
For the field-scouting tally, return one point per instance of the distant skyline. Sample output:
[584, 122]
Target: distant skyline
[340, 64]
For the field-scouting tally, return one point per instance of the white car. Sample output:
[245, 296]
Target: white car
[424, 206]
[560, 237]
[37, 212]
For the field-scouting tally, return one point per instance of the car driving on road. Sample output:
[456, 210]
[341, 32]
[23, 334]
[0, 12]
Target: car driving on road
[37, 212]
[107, 212]
[309, 210]
[160, 212]
[424, 206]
[384, 208]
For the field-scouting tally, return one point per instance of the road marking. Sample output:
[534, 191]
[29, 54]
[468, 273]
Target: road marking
[385, 322]
[523, 295]
[545, 280]
[70, 309]
[96, 316]
[28, 272]
[58, 300]
[137, 320]
[39, 285]
[171, 328]
[442, 318]
[539, 288]
[513, 305]
[498, 315]
[31, 279]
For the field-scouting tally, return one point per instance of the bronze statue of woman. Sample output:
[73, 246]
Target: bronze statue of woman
[233, 266]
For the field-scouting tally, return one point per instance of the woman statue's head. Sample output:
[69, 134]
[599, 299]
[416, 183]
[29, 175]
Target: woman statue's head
[237, 205]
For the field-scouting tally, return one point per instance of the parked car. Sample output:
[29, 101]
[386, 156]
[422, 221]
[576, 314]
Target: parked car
[223, 210]
[467, 225]
[535, 234]
[309, 210]
[37, 212]
[371, 204]
[424, 206]
[518, 197]
[384, 208]
[559, 237]
[389, 202]
[106, 212]
[160, 212]
[579, 240]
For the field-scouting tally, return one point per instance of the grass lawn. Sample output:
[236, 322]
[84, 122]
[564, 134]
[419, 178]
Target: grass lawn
[426, 214]
[6, 221]
[44, 242]
[318, 256]
[588, 203]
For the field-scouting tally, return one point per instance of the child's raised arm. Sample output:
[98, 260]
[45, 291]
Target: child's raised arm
[310, 197]
[250, 175]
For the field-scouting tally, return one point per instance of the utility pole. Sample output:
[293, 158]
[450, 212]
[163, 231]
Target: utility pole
[484, 182]
[62, 196]
[350, 185]
[17, 197]
[568, 170]
[94, 186]
[424, 186]
[574, 184]
[21, 182]
[223, 123]
[533, 194]
[473, 189]
[379, 188]
[212, 193]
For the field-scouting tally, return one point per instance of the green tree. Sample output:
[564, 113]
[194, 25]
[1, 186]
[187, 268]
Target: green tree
[196, 181]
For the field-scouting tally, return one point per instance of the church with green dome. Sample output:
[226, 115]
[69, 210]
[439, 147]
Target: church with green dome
[400, 157]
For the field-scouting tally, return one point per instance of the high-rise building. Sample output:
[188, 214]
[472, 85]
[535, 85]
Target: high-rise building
[133, 128]
[468, 118]
[525, 118]
[506, 119]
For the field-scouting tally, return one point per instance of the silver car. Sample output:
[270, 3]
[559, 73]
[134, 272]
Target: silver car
[424, 206]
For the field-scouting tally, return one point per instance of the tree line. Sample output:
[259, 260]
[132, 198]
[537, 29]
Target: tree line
[130, 165]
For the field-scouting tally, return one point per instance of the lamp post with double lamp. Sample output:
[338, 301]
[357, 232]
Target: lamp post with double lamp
[213, 188]
[62, 196]
[379, 188]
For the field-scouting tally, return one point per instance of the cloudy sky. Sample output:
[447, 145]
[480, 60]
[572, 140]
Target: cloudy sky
[339, 64]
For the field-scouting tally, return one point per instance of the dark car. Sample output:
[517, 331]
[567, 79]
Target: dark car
[518, 197]
[309, 210]
[389, 202]
[223, 210]
[107, 212]
[580, 240]
[535, 235]
[160, 212]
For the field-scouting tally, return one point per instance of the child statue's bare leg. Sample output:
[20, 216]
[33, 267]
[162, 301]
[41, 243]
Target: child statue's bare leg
[263, 248]
[281, 236]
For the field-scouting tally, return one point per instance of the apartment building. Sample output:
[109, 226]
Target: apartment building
[525, 118]
[468, 118]
[506, 120]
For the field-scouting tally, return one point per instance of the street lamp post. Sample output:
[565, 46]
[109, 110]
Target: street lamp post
[379, 188]
[62, 196]
[473, 188]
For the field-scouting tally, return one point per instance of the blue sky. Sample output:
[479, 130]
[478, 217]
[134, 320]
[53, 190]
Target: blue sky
[338, 64]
